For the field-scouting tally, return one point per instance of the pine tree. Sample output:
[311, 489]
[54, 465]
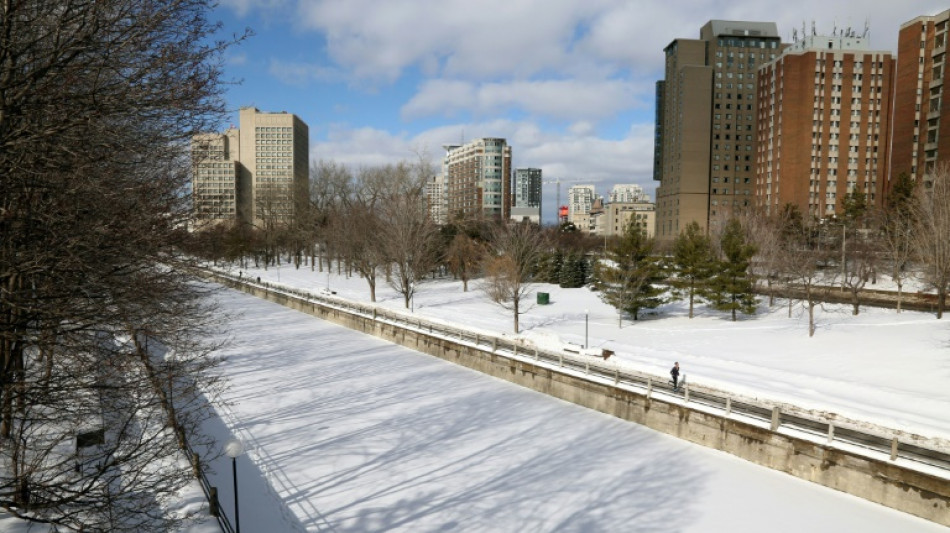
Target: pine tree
[731, 289]
[627, 278]
[572, 272]
[549, 267]
[693, 263]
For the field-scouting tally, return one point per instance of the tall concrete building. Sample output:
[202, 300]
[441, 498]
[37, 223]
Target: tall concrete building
[478, 179]
[706, 143]
[270, 156]
[824, 111]
[921, 137]
[527, 195]
[215, 171]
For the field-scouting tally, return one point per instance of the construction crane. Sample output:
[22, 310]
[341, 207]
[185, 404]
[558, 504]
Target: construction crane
[558, 181]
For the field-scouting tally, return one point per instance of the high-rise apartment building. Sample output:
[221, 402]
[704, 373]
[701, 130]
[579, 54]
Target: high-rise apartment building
[527, 195]
[478, 179]
[707, 143]
[269, 155]
[527, 187]
[921, 137]
[824, 111]
[627, 193]
[435, 198]
[580, 200]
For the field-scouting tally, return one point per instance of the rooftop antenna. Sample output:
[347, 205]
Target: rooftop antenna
[867, 27]
[813, 31]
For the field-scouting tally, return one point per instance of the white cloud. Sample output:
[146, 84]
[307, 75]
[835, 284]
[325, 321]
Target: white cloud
[560, 99]
[570, 156]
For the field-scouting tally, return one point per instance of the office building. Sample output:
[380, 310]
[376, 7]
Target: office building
[478, 179]
[706, 144]
[921, 137]
[215, 170]
[270, 157]
[824, 111]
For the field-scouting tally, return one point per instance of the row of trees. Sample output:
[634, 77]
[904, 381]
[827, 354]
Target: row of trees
[374, 224]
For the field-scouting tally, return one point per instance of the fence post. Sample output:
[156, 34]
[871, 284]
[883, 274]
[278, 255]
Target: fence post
[686, 393]
[831, 432]
[477, 339]
[616, 375]
[894, 449]
[560, 359]
[213, 506]
[494, 345]
[649, 387]
[587, 367]
[536, 354]
[776, 416]
[728, 406]
[514, 351]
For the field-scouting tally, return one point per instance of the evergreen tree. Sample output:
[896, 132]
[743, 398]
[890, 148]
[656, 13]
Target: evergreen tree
[731, 289]
[549, 267]
[693, 263]
[572, 272]
[627, 279]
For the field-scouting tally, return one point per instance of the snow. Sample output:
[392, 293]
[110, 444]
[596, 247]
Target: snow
[879, 367]
[348, 433]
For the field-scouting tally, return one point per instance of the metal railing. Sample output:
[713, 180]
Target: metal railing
[775, 416]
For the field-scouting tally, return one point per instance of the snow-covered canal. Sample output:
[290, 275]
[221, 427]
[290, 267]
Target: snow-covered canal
[349, 433]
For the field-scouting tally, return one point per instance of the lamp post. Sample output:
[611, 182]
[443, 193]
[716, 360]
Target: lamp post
[233, 448]
[586, 322]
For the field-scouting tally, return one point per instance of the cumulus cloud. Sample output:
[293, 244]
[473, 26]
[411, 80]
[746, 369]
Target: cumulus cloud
[560, 99]
[573, 156]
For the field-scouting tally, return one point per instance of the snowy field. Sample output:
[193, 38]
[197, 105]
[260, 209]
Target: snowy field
[349, 433]
[880, 367]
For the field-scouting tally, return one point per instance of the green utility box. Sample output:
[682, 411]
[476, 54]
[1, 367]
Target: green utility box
[544, 298]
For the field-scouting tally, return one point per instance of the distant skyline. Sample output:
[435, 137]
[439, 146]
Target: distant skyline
[570, 85]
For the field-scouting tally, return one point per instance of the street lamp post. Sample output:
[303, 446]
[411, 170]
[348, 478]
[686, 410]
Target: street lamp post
[586, 322]
[233, 448]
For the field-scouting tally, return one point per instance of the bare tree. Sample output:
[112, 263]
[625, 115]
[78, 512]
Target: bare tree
[862, 256]
[803, 262]
[931, 234]
[766, 232]
[331, 184]
[464, 256]
[515, 249]
[98, 103]
[356, 229]
[896, 221]
[409, 238]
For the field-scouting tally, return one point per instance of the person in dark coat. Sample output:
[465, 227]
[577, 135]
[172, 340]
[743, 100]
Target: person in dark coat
[675, 372]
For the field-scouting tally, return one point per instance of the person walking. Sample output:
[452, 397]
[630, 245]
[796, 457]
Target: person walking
[675, 372]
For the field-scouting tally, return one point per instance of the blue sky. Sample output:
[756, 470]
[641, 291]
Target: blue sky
[570, 84]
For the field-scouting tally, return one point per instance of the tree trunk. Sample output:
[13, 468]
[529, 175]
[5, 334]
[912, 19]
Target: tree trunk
[517, 300]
